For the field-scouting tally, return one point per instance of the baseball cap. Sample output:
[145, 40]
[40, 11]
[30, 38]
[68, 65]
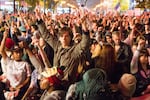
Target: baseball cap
[16, 48]
[22, 29]
[9, 43]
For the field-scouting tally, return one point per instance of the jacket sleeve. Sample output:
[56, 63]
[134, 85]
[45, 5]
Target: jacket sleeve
[51, 40]
[71, 92]
[134, 62]
[127, 55]
[84, 44]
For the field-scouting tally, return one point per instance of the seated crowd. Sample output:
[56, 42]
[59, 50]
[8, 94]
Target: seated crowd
[80, 56]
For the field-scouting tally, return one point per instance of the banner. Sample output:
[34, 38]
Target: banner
[129, 13]
[122, 4]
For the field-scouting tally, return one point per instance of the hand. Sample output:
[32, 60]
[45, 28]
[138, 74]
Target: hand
[37, 13]
[141, 43]
[19, 87]
[17, 92]
[2, 77]
[12, 89]
[147, 90]
[5, 35]
[84, 24]
[36, 43]
[23, 44]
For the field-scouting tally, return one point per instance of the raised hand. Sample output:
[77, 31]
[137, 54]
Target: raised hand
[141, 43]
[37, 13]
[6, 32]
[23, 44]
[84, 23]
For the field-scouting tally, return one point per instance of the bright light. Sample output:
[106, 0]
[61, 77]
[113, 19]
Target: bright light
[70, 5]
[11, 3]
[97, 6]
[63, 2]
[106, 4]
[55, 0]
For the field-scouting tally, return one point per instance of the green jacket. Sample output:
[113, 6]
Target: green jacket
[68, 57]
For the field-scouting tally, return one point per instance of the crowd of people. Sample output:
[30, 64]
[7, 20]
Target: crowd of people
[74, 56]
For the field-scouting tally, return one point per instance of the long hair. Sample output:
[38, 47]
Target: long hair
[143, 52]
[108, 58]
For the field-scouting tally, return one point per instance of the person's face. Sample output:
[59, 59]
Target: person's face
[95, 50]
[94, 26]
[142, 42]
[32, 29]
[134, 48]
[41, 42]
[17, 55]
[65, 39]
[116, 39]
[100, 29]
[116, 24]
[144, 59]
[108, 39]
[44, 83]
[147, 28]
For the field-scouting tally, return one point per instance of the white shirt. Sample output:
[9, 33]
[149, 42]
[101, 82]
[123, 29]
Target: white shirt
[17, 72]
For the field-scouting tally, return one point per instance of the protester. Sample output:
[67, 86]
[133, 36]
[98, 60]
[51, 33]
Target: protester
[65, 41]
[66, 54]
[140, 68]
[18, 72]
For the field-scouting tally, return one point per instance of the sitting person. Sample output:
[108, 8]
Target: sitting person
[126, 86]
[140, 68]
[93, 86]
[104, 58]
[50, 78]
[18, 72]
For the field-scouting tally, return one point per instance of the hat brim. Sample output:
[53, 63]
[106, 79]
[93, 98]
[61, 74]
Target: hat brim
[17, 50]
[49, 72]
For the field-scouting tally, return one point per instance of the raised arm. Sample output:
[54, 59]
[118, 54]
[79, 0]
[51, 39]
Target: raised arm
[130, 37]
[36, 63]
[85, 42]
[45, 33]
[2, 46]
[44, 57]
[134, 61]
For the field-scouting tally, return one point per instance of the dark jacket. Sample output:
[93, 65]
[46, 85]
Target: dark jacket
[49, 52]
[124, 56]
